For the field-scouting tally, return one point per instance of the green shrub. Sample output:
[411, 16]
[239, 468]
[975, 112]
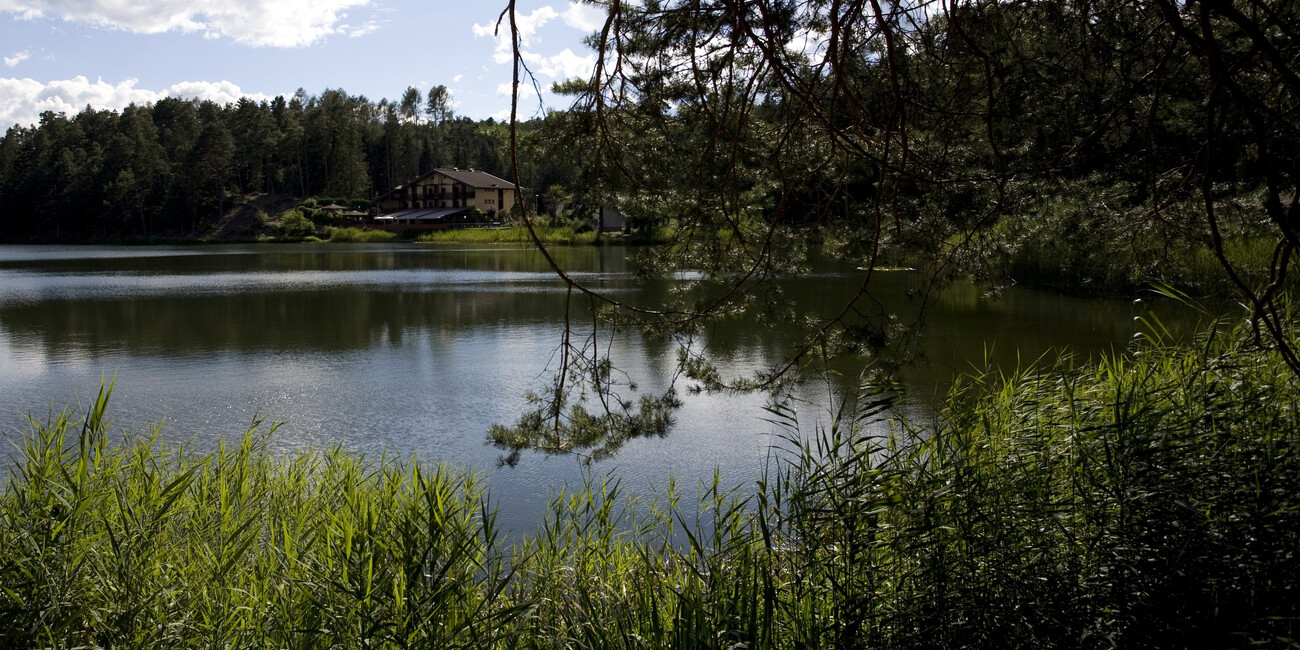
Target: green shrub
[1094, 236]
[294, 224]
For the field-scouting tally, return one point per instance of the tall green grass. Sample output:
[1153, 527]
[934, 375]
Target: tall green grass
[1148, 500]
[563, 235]
[133, 542]
[357, 235]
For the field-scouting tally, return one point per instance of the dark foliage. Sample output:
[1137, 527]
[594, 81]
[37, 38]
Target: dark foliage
[172, 168]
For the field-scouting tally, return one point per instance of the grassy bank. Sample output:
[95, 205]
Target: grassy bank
[562, 235]
[358, 235]
[1145, 501]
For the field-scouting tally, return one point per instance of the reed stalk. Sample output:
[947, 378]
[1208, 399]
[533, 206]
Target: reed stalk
[1150, 499]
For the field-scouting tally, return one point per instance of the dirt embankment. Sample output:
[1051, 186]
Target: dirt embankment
[241, 220]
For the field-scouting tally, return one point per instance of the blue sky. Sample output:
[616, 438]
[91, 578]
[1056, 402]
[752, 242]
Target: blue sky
[61, 55]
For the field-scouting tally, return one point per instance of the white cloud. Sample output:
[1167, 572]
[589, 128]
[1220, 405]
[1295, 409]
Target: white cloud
[584, 17]
[527, 25]
[357, 31]
[526, 91]
[810, 43]
[221, 92]
[23, 100]
[16, 59]
[277, 23]
[567, 65]
[564, 65]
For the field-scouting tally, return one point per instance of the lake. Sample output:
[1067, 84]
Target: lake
[406, 349]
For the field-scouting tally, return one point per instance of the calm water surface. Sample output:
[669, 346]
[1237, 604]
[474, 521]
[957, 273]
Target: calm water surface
[409, 349]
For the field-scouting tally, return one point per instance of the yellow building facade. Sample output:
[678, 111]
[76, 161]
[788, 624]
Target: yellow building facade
[452, 188]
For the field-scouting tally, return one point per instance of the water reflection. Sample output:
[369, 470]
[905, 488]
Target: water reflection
[409, 349]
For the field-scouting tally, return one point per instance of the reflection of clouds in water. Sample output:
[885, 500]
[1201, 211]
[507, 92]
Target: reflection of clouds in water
[53, 253]
[26, 288]
[23, 358]
[27, 357]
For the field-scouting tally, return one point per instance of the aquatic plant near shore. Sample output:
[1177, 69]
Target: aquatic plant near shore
[1148, 500]
[137, 542]
[508, 235]
[358, 235]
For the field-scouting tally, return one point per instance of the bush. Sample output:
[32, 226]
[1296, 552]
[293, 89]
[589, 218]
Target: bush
[294, 224]
[1092, 237]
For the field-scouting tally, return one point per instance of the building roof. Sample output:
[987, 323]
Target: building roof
[425, 215]
[475, 178]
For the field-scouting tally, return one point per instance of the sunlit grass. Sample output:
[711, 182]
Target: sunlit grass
[358, 235]
[1148, 500]
[562, 235]
[133, 542]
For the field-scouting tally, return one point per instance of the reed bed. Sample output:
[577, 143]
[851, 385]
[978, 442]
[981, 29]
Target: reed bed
[359, 235]
[560, 235]
[1147, 500]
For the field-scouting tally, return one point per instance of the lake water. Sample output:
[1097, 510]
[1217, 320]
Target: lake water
[413, 349]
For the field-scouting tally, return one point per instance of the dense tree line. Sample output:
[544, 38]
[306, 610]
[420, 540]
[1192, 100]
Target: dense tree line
[170, 167]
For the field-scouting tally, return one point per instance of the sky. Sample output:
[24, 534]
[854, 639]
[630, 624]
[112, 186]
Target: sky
[62, 55]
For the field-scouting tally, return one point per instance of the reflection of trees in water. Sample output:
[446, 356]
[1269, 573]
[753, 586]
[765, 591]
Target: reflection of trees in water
[158, 307]
[324, 257]
[333, 320]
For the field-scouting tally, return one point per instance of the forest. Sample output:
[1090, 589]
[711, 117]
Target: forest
[170, 168]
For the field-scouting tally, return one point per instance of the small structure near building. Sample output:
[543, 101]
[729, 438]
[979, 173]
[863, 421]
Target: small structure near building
[609, 219]
[421, 219]
[334, 210]
[443, 194]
